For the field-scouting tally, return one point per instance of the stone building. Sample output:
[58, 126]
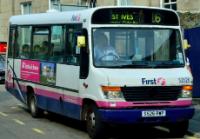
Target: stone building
[188, 9]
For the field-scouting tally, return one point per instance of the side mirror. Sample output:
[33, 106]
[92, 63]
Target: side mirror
[186, 45]
[81, 41]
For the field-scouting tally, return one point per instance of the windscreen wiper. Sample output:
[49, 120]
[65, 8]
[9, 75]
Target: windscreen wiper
[138, 65]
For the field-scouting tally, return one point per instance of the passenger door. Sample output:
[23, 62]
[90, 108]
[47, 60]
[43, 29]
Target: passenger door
[68, 69]
[9, 79]
[67, 76]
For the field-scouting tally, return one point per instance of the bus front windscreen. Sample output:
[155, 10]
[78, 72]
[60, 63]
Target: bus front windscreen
[137, 48]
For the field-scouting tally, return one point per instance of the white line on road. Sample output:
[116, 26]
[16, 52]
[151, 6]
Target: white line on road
[188, 137]
[38, 131]
[19, 122]
[3, 114]
[19, 105]
[162, 128]
[13, 107]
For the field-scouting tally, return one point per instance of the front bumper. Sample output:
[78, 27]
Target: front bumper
[134, 116]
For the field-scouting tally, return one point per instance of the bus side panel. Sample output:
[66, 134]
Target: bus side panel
[9, 75]
[17, 68]
[67, 77]
[13, 80]
[55, 99]
[41, 102]
[48, 100]
[15, 93]
[72, 106]
[58, 101]
[21, 89]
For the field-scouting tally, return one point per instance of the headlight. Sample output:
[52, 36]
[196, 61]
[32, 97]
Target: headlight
[112, 92]
[186, 92]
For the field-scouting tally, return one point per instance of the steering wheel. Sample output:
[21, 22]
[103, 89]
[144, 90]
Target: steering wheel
[111, 56]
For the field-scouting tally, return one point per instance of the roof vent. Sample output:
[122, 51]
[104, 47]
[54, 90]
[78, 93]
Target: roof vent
[123, 2]
[52, 11]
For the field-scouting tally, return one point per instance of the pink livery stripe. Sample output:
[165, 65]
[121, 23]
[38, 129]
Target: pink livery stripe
[105, 104]
[49, 94]
[57, 96]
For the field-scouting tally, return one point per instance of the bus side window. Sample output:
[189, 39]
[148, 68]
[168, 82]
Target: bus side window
[56, 50]
[12, 41]
[72, 51]
[25, 51]
[23, 46]
[41, 43]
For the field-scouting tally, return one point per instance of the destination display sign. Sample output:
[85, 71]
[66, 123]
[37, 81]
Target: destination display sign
[135, 16]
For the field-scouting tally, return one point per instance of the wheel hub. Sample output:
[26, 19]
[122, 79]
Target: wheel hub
[33, 105]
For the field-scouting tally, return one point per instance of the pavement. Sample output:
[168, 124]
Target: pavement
[196, 101]
[195, 121]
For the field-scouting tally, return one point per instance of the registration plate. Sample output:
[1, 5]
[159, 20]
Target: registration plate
[154, 113]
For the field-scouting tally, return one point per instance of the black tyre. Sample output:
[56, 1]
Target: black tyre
[35, 111]
[178, 130]
[95, 127]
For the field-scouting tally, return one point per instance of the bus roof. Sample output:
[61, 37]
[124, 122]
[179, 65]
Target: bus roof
[78, 16]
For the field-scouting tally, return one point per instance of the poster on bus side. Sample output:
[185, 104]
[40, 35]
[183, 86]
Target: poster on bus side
[30, 70]
[48, 73]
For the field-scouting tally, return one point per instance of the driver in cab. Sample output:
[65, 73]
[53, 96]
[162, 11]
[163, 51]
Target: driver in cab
[102, 50]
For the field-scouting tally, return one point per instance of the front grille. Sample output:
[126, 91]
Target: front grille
[157, 93]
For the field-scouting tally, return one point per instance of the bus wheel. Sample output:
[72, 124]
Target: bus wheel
[35, 111]
[179, 129]
[95, 127]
